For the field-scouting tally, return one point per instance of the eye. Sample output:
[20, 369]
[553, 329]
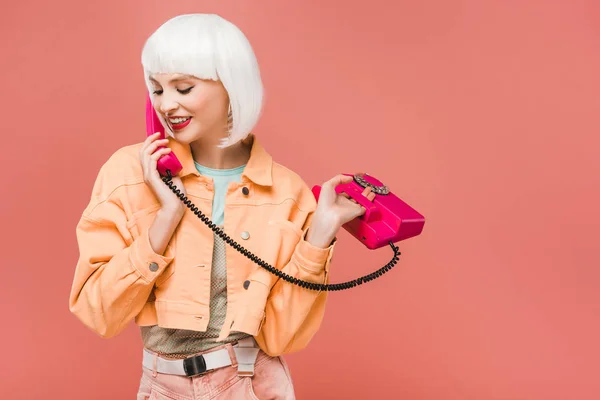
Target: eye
[157, 92]
[185, 91]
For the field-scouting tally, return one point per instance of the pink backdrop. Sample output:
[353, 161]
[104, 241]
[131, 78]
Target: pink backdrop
[482, 115]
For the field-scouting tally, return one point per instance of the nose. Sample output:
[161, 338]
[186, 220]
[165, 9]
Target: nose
[167, 105]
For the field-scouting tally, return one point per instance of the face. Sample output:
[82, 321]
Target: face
[195, 108]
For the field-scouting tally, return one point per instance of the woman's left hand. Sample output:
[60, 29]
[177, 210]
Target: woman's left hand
[334, 210]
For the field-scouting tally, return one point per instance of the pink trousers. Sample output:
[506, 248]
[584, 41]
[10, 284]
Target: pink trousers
[271, 380]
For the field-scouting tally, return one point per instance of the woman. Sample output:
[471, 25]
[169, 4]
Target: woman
[214, 324]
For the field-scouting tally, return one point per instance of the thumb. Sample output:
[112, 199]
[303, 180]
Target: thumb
[328, 192]
[337, 180]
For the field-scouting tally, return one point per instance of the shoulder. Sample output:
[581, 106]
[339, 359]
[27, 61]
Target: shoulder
[124, 165]
[122, 168]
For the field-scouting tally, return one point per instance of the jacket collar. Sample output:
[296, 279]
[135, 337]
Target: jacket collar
[258, 169]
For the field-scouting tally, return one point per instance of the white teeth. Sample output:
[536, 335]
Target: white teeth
[178, 120]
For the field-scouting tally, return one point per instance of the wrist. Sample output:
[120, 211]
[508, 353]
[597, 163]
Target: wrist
[321, 232]
[320, 240]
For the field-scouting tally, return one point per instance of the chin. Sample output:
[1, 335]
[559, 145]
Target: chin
[187, 137]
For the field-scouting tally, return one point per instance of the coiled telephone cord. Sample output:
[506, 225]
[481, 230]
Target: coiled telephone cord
[305, 284]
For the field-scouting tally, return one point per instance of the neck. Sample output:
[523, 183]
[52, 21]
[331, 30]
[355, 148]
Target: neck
[206, 153]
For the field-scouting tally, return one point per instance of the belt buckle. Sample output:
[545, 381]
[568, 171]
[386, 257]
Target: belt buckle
[194, 366]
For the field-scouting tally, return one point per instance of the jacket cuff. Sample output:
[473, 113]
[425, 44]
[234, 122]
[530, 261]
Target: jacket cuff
[146, 261]
[311, 258]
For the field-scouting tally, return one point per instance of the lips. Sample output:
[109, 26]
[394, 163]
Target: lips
[180, 125]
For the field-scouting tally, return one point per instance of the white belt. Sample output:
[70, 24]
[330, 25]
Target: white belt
[245, 350]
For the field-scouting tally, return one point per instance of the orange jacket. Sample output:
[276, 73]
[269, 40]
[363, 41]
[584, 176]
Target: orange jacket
[119, 277]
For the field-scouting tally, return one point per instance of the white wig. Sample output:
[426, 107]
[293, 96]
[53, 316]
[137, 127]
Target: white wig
[209, 47]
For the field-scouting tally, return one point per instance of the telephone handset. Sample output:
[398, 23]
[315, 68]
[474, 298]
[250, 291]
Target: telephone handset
[168, 162]
[387, 218]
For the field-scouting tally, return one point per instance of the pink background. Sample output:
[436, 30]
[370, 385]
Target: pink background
[483, 115]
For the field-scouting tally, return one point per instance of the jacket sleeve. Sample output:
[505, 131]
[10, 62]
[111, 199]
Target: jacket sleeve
[293, 314]
[115, 272]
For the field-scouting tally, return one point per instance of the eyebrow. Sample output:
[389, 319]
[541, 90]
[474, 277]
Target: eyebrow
[176, 79]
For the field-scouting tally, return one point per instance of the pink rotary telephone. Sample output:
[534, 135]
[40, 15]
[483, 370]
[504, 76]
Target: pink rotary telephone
[386, 219]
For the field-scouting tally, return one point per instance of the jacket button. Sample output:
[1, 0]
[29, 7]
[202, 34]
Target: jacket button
[245, 235]
[245, 190]
[153, 267]
[246, 284]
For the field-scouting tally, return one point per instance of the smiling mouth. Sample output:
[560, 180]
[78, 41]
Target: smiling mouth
[179, 123]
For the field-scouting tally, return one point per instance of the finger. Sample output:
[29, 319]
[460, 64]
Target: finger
[152, 161]
[154, 145]
[151, 138]
[352, 212]
[159, 141]
[360, 210]
[337, 180]
[346, 195]
[159, 153]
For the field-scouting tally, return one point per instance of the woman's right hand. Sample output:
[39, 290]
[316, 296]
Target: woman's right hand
[149, 158]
